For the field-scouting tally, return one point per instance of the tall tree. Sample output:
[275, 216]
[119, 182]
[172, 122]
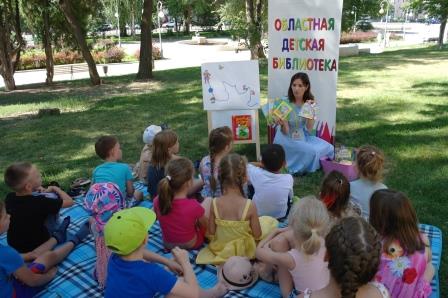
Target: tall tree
[49, 63]
[11, 42]
[437, 9]
[145, 63]
[248, 20]
[76, 28]
[254, 12]
[359, 8]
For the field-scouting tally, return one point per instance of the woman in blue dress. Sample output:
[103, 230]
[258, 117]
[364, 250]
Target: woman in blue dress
[303, 151]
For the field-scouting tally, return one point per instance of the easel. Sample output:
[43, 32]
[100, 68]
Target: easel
[226, 120]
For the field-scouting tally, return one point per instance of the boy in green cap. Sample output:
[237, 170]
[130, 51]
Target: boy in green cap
[130, 274]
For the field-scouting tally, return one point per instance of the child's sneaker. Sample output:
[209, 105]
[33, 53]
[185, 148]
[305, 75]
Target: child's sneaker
[82, 233]
[60, 234]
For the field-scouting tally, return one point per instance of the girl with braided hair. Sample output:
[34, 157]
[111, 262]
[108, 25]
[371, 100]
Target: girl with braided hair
[219, 144]
[405, 267]
[233, 223]
[353, 254]
[305, 260]
[370, 166]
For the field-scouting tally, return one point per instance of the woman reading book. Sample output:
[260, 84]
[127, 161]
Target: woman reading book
[303, 150]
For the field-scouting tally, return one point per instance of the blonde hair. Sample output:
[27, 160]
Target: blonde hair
[370, 162]
[178, 172]
[309, 223]
[160, 145]
[218, 140]
[233, 172]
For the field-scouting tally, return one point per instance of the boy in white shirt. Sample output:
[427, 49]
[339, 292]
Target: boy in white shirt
[273, 190]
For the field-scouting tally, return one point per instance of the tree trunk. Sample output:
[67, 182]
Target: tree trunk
[254, 9]
[49, 63]
[132, 21]
[11, 42]
[145, 63]
[187, 19]
[442, 32]
[77, 32]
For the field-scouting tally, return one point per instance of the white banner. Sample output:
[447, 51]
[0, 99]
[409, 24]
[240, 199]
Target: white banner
[304, 37]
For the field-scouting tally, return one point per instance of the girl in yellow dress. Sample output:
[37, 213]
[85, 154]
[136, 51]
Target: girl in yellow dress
[233, 223]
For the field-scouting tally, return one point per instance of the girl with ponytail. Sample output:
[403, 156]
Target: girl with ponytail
[305, 262]
[335, 193]
[182, 219]
[219, 144]
[353, 254]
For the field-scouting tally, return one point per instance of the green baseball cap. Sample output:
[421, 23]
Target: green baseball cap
[126, 229]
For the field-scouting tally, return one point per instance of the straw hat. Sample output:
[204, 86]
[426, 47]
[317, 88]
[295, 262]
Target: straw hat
[237, 273]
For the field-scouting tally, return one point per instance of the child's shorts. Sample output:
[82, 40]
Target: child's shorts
[24, 291]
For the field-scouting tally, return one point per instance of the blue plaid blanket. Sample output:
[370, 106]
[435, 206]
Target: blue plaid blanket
[75, 273]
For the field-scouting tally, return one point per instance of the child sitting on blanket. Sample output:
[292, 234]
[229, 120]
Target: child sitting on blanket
[182, 219]
[370, 165]
[335, 193]
[405, 268]
[233, 224]
[305, 262]
[108, 148]
[353, 252]
[29, 213]
[146, 154]
[220, 143]
[273, 190]
[132, 271]
[21, 280]
[102, 201]
[165, 148]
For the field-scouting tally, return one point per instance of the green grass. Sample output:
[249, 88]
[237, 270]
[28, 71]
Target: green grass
[397, 100]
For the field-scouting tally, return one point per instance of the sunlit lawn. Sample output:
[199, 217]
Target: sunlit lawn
[397, 100]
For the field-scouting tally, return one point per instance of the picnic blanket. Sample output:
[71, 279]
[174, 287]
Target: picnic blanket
[75, 273]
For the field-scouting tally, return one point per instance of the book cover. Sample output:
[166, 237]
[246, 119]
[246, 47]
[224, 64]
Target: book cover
[282, 110]
[309, 111]
[242, 127]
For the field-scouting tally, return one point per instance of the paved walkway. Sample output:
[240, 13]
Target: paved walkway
[176, 55]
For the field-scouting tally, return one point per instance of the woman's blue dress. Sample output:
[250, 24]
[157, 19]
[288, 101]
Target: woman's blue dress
[303, 151]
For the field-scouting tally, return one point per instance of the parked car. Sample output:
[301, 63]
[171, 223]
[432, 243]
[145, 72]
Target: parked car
[363, 25]
[168, 25]
[105, 27]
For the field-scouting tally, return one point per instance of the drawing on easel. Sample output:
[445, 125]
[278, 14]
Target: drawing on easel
[230, 85]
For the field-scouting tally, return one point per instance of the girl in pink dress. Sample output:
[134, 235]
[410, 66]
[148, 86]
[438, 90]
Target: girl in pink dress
[182, 219]
[405, 267]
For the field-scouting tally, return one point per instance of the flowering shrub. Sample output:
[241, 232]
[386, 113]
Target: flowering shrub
[114, 55]
[67, 57]
[99, 57]
[156, 55]
[357, 37]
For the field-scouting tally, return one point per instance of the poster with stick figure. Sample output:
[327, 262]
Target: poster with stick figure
[230, 85]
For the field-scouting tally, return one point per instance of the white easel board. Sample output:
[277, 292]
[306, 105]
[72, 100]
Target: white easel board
[231, 91]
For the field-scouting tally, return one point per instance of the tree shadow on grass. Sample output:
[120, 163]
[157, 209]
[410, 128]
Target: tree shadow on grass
[432, 88]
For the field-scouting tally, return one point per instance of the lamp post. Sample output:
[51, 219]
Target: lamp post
[117, 15]
[387, 16]
[160, 15]
[354, 12]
